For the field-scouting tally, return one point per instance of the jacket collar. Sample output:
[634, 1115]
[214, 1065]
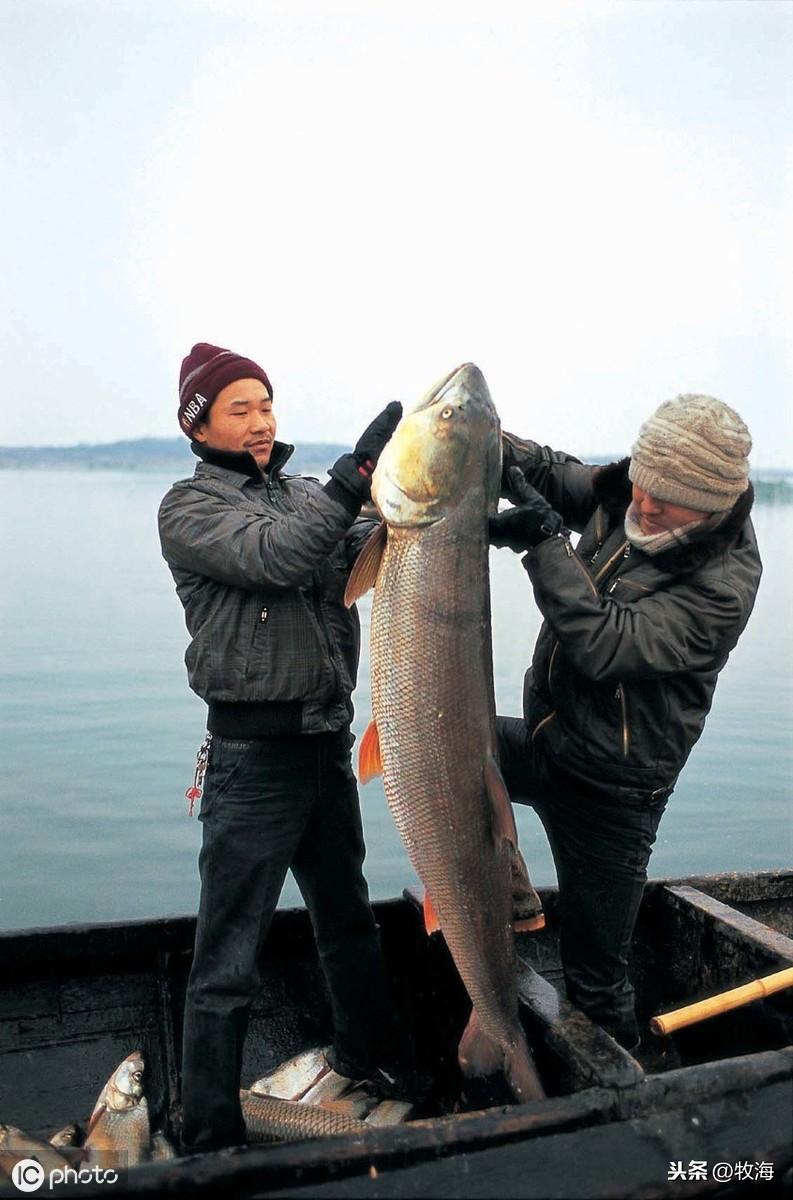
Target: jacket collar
[242, 462]
[613, 490]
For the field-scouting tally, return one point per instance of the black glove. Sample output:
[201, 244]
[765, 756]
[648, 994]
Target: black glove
[354, 471]
[529, 523]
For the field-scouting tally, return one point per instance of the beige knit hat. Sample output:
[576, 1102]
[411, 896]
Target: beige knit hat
[693, 451]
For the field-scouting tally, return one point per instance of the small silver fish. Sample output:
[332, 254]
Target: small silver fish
[291, 1079]
[118, 1131]
[70, 1135]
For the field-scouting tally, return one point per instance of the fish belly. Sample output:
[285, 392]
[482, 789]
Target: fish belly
[120, 1139]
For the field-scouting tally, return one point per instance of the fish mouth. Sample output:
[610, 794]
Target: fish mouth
[438, 389]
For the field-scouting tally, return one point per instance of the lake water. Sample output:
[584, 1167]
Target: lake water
[98, 729]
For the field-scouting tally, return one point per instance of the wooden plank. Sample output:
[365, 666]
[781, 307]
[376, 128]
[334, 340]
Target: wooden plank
[589, 1056]
[771, 943]
[733, 887]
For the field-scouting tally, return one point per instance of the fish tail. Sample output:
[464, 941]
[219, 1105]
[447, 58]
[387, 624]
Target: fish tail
[522, 1074]
[480, 1055]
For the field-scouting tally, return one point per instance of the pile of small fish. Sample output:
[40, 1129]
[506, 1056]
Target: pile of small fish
[117, 1134]
[302, 1098]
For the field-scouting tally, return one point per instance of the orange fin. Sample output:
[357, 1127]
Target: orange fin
[363, 576]
[529, 924]
[431, 922]
[369, 761]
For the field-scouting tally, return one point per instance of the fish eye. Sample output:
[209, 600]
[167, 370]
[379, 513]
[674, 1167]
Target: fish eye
[447, 412]
[137, 1076]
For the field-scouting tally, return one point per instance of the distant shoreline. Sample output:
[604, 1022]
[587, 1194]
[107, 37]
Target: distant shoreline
[145, 455]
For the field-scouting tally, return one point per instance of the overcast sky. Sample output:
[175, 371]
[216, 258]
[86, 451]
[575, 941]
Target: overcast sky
[592, 201]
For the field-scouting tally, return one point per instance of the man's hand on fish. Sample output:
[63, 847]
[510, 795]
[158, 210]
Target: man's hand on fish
[530, 522]
[354, 471]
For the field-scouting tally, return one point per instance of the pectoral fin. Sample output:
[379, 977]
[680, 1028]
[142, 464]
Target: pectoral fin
[363, 576]
[369, 761]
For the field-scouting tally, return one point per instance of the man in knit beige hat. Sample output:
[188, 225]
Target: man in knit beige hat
[639, 619]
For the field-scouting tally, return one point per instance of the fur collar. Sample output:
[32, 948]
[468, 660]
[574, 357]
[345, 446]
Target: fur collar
[613, 490]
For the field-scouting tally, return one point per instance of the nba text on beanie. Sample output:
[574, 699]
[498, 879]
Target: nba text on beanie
[205, 372]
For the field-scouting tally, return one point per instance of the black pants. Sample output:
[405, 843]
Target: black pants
[268, 805]
[601, 844]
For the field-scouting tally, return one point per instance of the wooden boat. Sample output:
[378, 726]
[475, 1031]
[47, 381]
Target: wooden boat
[75, 1000]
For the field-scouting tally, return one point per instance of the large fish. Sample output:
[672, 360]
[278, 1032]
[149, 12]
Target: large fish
[433, 733]
[118, 1131]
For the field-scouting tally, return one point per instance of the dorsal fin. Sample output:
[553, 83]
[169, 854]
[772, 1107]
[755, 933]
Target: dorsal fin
[364, 573]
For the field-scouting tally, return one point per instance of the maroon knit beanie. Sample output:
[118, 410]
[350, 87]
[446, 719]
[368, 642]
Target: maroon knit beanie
[205, 372]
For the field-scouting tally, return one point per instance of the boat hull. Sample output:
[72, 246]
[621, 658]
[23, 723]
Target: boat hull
[75, 999]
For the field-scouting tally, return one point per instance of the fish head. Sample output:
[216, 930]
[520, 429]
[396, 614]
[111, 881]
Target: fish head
[126, 1084]
[449, 443]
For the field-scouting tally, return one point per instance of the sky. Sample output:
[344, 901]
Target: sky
[593, 201]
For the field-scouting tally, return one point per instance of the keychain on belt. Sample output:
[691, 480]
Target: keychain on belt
[202, 758]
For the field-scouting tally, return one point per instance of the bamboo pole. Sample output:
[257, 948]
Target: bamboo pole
[723, 1002]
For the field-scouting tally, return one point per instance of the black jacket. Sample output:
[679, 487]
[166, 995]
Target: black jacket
[260, 563]
[626, 662]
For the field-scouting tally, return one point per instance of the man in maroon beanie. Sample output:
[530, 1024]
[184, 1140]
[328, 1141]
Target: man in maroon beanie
[260, 560]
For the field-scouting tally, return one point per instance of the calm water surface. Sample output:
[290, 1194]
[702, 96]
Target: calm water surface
[98, 729]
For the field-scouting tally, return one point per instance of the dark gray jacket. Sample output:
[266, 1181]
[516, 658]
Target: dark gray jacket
[260, 564]
[626, 662]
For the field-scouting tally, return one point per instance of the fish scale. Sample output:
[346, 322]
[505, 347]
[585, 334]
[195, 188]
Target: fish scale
[272, 1118]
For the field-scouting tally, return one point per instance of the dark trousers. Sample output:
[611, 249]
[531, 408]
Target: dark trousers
[269, 805]
[601, 843]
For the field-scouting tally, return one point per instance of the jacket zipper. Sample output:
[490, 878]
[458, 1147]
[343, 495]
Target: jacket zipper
[264, 612]
[273, 492]
[599, 532]
[623, 550]
[626, 741]
[629, 583]
[260, 620]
